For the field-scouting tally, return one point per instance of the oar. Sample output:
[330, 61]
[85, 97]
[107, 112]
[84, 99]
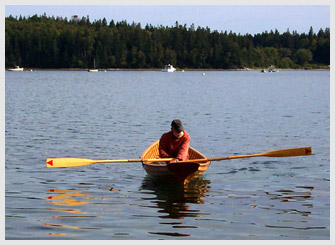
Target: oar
[77, 162]
[293, 152]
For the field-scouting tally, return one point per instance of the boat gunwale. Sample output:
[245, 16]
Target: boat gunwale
[202, 164]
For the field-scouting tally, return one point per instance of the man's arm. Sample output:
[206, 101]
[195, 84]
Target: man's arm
[183, 150]
[161, 148]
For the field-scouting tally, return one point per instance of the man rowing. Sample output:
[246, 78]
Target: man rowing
[175, 143]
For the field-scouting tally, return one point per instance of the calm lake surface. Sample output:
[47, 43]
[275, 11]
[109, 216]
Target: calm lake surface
[118, 114]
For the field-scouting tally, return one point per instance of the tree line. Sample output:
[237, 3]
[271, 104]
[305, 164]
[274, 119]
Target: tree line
[56, 42]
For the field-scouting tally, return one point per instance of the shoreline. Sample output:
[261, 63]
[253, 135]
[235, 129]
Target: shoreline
[178, 70]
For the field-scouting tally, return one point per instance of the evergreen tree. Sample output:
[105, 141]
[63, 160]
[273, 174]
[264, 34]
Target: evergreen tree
[56, 42]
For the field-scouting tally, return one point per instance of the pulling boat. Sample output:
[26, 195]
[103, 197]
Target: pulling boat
[181, 171]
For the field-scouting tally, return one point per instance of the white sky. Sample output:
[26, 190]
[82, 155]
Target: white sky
[237, 18]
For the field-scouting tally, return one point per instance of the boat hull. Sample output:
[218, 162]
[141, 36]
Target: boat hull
[15, 69]
[168, 70]
[183, 172]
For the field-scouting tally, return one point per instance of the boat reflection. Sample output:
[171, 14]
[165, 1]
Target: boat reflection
[173, 199]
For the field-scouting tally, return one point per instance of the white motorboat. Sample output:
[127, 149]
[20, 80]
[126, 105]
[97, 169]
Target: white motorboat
[93, 70]
[17, 68]
[169, 68]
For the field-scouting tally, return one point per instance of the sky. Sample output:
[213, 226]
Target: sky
[241, 19]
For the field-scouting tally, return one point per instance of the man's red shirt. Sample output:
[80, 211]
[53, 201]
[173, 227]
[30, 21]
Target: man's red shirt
[173, 147]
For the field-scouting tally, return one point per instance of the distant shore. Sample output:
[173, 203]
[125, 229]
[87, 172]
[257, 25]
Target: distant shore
[186, 69]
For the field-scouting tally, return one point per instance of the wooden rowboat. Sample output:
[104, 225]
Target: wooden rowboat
[184, 172]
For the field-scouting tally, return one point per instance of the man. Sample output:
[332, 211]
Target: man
[175, 143]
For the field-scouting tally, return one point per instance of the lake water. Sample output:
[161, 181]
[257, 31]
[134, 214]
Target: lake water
[118, 114]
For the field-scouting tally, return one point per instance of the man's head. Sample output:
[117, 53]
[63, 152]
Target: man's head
[177, 128]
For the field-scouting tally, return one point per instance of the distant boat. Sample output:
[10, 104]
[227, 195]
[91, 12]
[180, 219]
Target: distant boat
[93, 70]
[272, 69]
[17, 68]
[169, 68]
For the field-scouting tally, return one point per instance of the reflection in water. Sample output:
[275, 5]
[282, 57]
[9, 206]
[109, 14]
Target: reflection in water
[76, 211]
[172, 198]
[67, 198]
[297, 201]
[293, 196]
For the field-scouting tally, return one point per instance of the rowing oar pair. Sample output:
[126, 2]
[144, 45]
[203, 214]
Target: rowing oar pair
[77, 162]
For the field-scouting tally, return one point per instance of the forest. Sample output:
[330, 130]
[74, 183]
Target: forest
[55, 42]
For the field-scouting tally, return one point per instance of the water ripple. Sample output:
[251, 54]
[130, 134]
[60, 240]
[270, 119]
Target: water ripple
[116, 115]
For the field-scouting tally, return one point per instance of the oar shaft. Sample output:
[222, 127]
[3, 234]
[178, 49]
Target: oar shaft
[134, 160]
[234, 157]
[78, 162]
[303, 151]
[222, 158]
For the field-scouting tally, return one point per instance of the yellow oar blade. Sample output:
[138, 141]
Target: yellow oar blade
[303, 151]
[68, 162]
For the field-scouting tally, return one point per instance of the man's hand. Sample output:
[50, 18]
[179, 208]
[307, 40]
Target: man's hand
[174, 160]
